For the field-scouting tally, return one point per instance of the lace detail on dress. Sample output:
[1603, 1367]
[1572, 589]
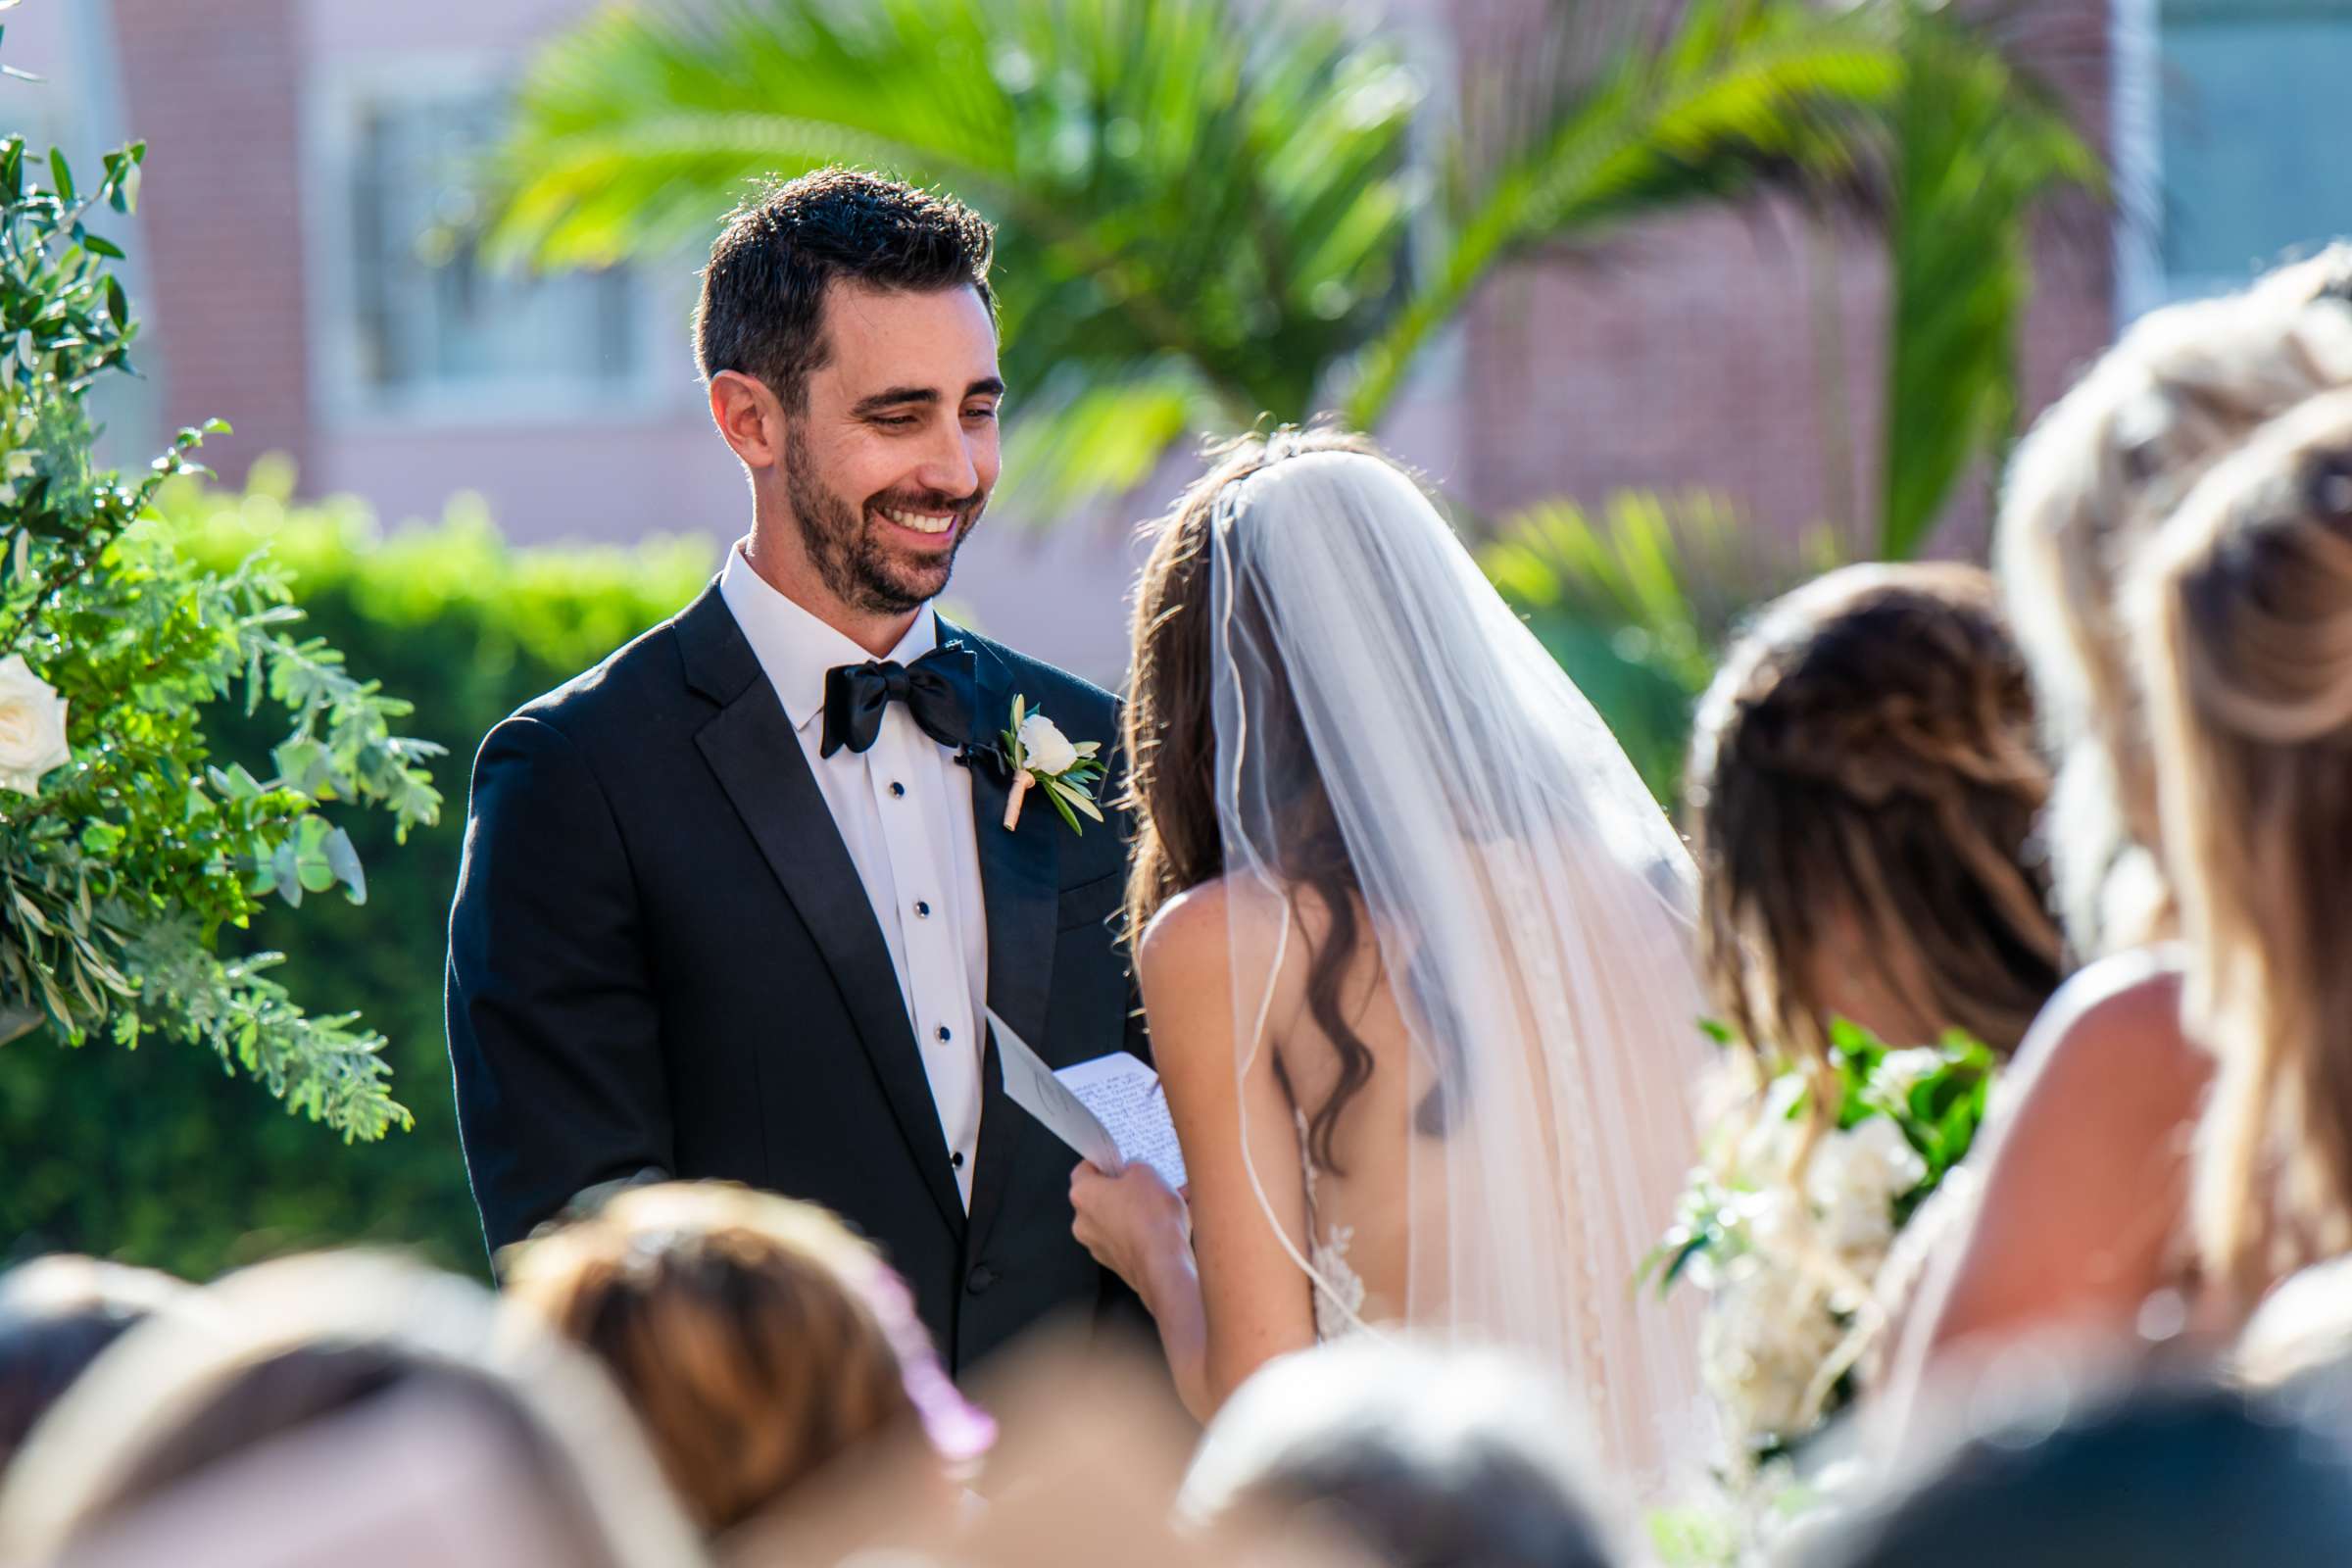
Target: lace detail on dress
[1339, 1291]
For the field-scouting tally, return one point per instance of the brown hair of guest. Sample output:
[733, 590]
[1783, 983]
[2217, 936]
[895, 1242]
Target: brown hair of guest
[1863, 791]
[2244, 616]
[1170, 735]
[738, 1324]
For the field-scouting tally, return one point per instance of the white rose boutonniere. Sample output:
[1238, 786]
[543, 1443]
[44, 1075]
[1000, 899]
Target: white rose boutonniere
[33, 728]
[1043, 757]
[1048, 750]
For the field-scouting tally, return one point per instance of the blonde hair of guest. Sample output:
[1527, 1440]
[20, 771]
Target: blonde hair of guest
[2099, 472]
[2247, 617]
[741, 1326]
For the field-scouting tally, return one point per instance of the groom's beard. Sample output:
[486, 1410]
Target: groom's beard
[848, 544]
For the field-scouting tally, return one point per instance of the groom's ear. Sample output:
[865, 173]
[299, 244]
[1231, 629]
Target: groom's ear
[749, 416]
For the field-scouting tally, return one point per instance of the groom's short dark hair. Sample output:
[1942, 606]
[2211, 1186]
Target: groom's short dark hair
[761, 311]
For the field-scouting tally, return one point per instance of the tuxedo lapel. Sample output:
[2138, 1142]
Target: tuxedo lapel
[1019, 870]
[750, 745]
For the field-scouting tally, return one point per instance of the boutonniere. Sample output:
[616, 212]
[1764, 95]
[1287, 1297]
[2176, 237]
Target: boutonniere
[1043, 757]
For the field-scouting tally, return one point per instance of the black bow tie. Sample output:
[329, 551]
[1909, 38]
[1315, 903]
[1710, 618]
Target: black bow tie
[933, 689]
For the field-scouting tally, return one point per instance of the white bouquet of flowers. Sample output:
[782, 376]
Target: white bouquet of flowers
[1789, 1219]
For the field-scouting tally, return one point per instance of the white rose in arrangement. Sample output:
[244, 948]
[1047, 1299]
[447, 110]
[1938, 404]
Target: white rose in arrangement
[1045, 747]
[33, 728]
[1854, 1178]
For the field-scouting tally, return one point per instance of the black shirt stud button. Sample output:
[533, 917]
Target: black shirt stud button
[980, 1280]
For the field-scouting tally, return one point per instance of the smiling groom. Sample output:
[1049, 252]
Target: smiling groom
[734, 901]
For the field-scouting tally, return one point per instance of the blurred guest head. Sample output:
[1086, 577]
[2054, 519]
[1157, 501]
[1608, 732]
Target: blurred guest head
[2245, 610]
[2157, 1477]
[1412, 1454]
[284, 1354]
[2100, 468]
[56, 1314]
[2302, 1327]
[2297, 1347]
[757, 1337]
[1863, 787]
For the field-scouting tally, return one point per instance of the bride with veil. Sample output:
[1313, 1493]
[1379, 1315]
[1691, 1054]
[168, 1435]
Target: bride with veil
[1416, 946]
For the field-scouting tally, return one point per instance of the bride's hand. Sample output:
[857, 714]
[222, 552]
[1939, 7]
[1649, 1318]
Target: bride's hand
[1131, 1222]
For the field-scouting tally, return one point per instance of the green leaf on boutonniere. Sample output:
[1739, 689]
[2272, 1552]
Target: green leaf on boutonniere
[1062, 789]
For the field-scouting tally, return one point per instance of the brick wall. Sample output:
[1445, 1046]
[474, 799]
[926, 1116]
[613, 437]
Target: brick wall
[1692, 352]
[214, 90]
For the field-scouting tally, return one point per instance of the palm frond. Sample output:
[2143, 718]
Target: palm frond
[1736, 91]
[1978, 146]
[1084, 435]
[1636, 605]
[1676, 573]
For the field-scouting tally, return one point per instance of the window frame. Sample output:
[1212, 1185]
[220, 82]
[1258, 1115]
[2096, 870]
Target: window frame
[2136, 127]
[336, 101]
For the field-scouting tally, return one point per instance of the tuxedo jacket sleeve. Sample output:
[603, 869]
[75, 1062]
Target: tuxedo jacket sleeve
[554, 1033]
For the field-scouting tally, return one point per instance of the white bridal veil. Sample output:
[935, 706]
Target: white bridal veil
[1531, 903]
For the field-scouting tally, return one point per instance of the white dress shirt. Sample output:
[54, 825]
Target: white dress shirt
[904, 810]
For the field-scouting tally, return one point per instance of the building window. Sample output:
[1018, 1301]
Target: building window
[2236, 125]
[422, 322]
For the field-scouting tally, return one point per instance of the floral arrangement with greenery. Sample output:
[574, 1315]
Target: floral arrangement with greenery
[122, 850]
[1792, 1224]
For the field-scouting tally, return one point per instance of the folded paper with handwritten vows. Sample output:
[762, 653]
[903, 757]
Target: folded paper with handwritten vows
[1110, 1109]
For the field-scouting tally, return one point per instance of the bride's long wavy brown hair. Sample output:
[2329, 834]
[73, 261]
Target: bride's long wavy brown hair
[1171, 745]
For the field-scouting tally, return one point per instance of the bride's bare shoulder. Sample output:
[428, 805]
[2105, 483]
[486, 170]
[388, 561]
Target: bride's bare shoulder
[1196, 932]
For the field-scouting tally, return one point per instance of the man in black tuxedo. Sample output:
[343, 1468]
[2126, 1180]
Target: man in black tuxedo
[734, 901]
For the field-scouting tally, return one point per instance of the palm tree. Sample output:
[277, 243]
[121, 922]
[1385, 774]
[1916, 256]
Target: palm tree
[1976, 145]
[1207, 214]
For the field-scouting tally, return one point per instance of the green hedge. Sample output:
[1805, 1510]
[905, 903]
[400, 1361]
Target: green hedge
[155, 1155]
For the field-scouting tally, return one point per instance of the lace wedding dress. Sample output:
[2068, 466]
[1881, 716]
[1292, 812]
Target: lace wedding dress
[1338, 1288]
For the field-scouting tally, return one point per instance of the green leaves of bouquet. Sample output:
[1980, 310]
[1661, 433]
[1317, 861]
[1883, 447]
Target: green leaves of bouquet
[124, 847]
[1936, 1094]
